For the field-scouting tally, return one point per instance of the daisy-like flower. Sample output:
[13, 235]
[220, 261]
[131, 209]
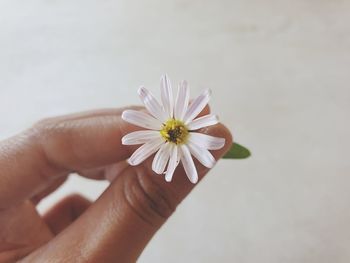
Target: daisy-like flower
[172, 131]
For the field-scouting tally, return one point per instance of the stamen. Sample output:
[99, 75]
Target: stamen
[174, 131]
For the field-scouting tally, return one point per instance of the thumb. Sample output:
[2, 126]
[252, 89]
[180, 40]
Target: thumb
[118, 226]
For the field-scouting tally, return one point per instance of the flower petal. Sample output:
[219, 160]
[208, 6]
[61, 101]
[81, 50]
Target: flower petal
[145, 151]
[206, 141]
[152, 104]
[202, 155]
[167, 96]
[188, 164]
[182, 100]
[173, 163]
[140, 137]
[141, 119]
[197, 106]
[205, 121]
[161, 159]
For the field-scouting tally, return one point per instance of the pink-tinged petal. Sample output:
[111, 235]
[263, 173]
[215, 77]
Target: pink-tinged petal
[173, 163]
[202, 155]
[202, 122]
[197, 106]
[140, 137]
[182, 100]
[206, 141]
[145, 151]
[152, 105]
[188, 164]
[167, 96]
[141, 119]
[161, 159]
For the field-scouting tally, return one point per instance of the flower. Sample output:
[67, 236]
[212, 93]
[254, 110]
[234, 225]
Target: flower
[172, 131]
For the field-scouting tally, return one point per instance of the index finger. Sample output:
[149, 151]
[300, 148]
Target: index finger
[56, 147]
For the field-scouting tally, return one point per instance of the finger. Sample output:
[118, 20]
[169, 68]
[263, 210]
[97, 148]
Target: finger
[110, 172]
[55, 147]
[65, 212]
[120, 223]
[21, 231]
[48, 190]
[91, 113]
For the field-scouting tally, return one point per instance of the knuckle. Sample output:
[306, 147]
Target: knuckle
[43, 122]
[46, 127]
[146, 198]
[43, 130]
[52, 136]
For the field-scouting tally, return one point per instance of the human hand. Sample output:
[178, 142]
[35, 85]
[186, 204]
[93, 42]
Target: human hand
[116, 227]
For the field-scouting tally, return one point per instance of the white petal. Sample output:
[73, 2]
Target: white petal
[167, 96]
[182, 100]
[173, 163]
[197, 106]
[145, 151]
[188, 164]
[152, 104]
[161, 159]
[206, 141]
[205, 121]
[202, 155]
[141, 119]
[140, 137]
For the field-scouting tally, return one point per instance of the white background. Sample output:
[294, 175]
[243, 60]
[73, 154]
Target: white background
[280, 75]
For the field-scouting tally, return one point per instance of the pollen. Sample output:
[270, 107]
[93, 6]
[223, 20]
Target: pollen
[174, 131]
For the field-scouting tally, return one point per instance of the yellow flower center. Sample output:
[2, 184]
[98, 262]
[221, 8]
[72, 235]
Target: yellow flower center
[174, 131]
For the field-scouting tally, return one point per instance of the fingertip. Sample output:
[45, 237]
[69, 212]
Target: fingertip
[205, 111]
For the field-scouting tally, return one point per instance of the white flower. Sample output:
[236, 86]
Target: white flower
[171, 131]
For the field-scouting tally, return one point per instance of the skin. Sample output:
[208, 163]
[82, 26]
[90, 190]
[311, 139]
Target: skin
[114, 228]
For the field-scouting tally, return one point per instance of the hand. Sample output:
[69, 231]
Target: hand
[116, 227]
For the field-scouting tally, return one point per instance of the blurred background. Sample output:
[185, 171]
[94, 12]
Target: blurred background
[280, 74]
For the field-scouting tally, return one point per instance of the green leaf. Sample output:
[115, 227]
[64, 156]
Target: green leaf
[237, 151]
